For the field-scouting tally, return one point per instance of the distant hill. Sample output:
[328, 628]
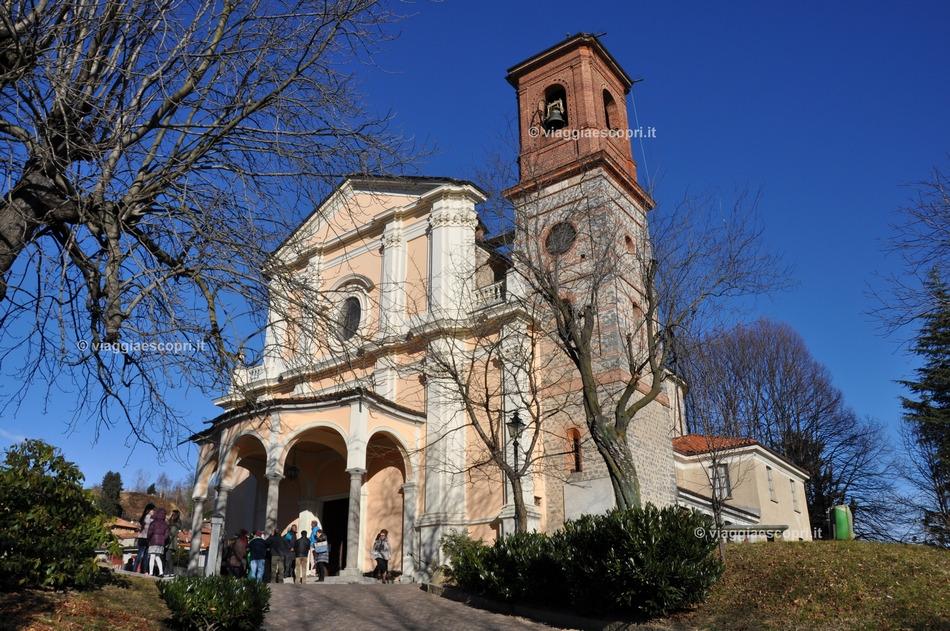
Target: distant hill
[133, 503]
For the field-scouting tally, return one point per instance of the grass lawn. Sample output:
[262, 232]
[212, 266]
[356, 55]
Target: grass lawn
[827, 585]
[129, 604]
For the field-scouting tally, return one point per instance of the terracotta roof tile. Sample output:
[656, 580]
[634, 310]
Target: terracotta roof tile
[695, 444]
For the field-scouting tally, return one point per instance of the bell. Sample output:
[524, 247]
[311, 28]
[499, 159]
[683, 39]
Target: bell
[554, 119]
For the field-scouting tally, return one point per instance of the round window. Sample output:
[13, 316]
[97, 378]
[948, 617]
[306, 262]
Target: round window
[350, 317]
[560, 238]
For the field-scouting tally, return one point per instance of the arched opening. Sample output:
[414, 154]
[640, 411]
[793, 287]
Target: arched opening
[576, 461]
[386, 472]
[246, 477]
[554, 113]
[611, 114]
[315, 487]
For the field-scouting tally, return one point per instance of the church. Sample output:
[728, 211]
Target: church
[364, 429]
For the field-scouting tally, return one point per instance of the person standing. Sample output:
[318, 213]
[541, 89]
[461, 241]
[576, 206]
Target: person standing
[301, 552]
[141, 556]
[312, 561]
[381, 553]
[240, 550]
[291, 538]
[157, 536]
[321, 555]
[174, 527]
[279, 550]
[258, 551]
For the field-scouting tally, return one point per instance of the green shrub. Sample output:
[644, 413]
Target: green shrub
[467, 555]
[525, 567]
[647, 561]
[50, 527]
[223, 603]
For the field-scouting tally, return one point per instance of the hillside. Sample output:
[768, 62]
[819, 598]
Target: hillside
[134, 503]
[826, 584]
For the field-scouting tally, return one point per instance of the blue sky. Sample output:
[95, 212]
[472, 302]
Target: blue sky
[829, 110]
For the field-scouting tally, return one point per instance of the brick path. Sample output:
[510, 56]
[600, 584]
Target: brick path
[395, 607]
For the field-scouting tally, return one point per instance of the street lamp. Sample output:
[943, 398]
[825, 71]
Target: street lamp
[515, 427]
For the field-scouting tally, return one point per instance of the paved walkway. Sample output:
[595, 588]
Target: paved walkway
[395, 607]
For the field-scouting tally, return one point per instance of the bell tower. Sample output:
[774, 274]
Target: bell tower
[581, 230]
[572, 116]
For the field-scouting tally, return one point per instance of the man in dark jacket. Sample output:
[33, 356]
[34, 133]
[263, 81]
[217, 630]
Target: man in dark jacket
[258, 550]
[302, 553]
[279, 551]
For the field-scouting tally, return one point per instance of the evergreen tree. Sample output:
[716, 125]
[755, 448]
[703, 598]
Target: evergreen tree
[50, 527]
[151, 489]
[110, 494]
[927, 413]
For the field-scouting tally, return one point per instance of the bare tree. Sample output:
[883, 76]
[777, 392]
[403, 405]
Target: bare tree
[494, 367]
[922, 240]
[155, 153]
[761, 380]
[726, 467]
[615, 284]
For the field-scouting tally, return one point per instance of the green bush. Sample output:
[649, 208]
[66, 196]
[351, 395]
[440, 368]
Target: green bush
[525, 567]
[50, 527]
[223, 603]
[648, 562]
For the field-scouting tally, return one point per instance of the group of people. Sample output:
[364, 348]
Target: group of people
[157, 540]
[292, 556]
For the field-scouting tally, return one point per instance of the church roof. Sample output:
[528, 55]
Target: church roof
[579, 39]
[695, 444]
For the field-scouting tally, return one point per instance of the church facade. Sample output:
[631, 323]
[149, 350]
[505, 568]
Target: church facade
[359, 430]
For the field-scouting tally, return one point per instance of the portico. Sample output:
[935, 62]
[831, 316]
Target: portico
[341, 461]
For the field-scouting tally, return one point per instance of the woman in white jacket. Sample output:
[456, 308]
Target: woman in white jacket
[381, 553]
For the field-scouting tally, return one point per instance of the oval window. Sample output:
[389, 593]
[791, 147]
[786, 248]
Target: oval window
[350, 317]
[560, 238]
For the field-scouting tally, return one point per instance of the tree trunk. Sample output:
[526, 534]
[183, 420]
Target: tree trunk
[521, 513]
[30, 203]
[615, 451]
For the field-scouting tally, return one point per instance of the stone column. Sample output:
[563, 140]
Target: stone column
[353, 523]
[213, 563]
[194, 552]
[408, 530]
[273, 489]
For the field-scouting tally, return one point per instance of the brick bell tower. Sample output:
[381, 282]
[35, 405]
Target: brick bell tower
[569, 97]
[578, 202]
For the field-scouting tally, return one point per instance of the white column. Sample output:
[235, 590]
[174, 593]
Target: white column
[453, 221]
[353, 523]
[273, 490]
[408, 530]
[392, 297]
[213, 563]
[197, 519]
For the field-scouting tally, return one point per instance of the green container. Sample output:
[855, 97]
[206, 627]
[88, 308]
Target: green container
[842, 522]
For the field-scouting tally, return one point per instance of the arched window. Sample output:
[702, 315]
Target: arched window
[574, 443]
[350, 315]
[611, 114]
[554, 114]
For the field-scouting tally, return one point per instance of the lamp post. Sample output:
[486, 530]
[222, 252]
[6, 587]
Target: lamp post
[515, 427]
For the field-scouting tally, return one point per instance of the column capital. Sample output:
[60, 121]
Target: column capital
[409, 486]
[355, 471]
[273, 476]
[198, 498]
